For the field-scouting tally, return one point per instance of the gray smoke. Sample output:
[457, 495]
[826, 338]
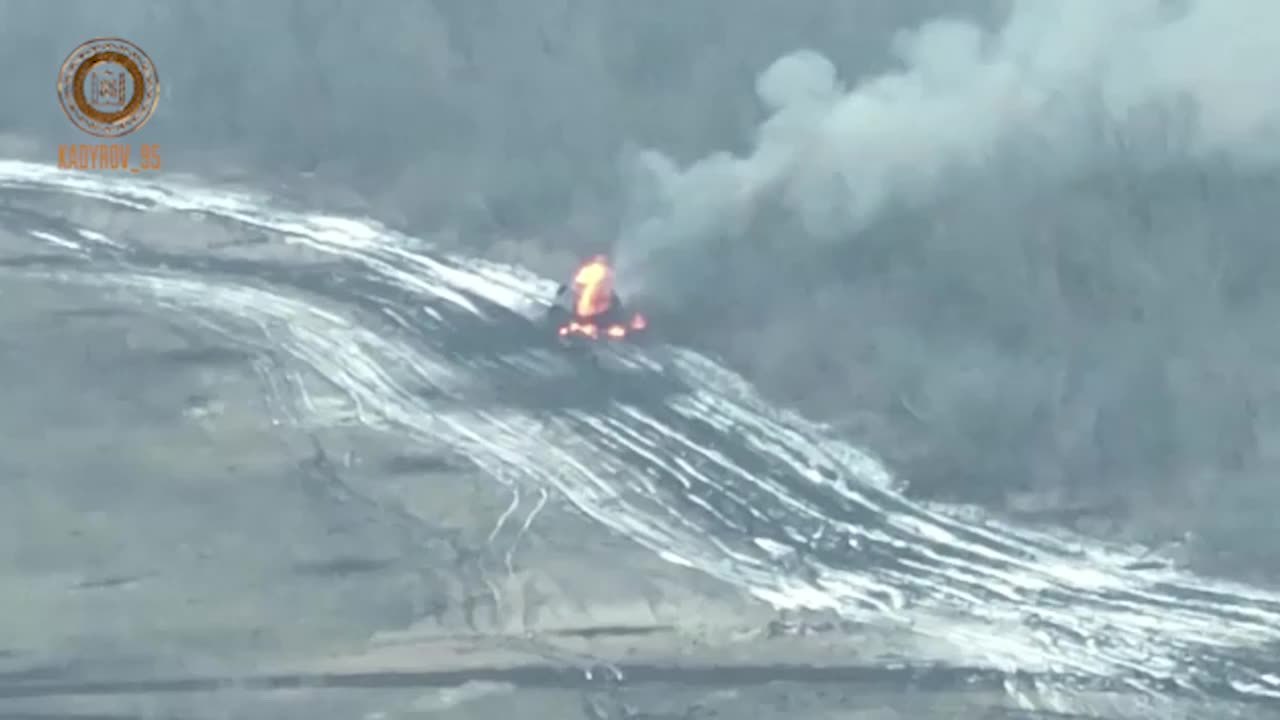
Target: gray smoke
[1056, 86]
[1031, 249]
[1033, 265]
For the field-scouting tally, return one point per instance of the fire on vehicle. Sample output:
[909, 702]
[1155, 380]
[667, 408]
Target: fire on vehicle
[588, 307]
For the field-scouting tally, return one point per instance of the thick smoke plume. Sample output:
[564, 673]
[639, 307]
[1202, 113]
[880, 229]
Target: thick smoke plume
[1034, 264]
[1056, 86]
[1024, 251]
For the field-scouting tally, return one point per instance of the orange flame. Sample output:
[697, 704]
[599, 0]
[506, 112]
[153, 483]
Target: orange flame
[591, 330]
[594, 285]
[585, 329]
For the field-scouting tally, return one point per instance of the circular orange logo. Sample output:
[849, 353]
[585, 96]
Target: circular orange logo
[108, 87]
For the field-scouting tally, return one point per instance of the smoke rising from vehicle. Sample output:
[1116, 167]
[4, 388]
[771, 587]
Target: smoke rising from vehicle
[1030, 248]
[1029, 264]
[1057, 86]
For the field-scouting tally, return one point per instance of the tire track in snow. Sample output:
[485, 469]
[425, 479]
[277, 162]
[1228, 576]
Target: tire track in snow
[704, 472]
